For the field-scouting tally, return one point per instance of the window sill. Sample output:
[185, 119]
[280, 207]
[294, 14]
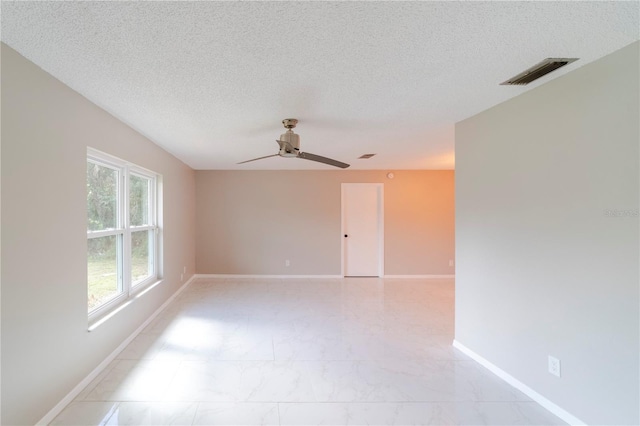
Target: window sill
[101, 319]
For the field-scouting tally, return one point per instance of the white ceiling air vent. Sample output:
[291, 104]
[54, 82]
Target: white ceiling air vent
[535, 72]
[365, 156]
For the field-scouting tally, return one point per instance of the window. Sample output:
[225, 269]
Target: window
[122, 231]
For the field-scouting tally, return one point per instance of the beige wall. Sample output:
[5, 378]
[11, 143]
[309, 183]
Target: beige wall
[541, 269]
[250, 222]
[46, 128]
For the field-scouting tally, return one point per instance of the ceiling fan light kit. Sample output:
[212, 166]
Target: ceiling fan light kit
[289, 144]
[289, 139]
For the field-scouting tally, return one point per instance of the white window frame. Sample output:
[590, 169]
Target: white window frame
[124, 229]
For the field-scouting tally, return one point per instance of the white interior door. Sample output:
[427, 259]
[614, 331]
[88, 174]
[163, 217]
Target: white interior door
[362, 229]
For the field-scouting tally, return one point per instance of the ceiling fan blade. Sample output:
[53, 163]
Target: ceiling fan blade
[259, 158]
[325, 160]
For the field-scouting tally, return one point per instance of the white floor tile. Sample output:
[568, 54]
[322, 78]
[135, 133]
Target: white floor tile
[206, 381]
[86, 413]
[383, 413]
[302, 351]
[247, 413]
[153, 414]
[135, 380]
[403, 413]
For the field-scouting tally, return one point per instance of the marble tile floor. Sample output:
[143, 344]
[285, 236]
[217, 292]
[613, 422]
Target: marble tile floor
[353, 351]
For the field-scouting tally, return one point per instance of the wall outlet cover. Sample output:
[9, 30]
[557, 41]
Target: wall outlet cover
[554, 366]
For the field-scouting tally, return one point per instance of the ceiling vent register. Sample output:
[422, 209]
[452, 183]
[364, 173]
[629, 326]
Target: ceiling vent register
[539, 70]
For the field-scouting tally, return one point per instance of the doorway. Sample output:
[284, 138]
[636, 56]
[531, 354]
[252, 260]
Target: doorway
[362, 230]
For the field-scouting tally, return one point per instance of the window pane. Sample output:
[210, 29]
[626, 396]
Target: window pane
[103, 269]
[139, 188]
[141, 256]
[102, 197]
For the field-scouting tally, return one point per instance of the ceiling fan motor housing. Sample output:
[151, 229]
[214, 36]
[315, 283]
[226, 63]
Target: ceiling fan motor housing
[293, 140]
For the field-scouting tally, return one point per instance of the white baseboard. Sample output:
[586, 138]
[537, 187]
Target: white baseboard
[544, 402]
[264, 276]
[48, 418]
[314, 276]
[421, 276]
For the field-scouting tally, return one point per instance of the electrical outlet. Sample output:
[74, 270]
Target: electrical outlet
[287, 263]
[451, 262]
[554, 366]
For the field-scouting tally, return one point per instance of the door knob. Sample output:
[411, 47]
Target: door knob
[345, 235]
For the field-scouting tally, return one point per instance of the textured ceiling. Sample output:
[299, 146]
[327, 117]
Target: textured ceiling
[211, 81]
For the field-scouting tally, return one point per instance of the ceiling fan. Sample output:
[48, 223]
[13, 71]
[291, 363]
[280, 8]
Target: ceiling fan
[289, 144]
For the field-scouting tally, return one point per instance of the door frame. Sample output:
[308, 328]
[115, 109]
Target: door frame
[380, 190]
